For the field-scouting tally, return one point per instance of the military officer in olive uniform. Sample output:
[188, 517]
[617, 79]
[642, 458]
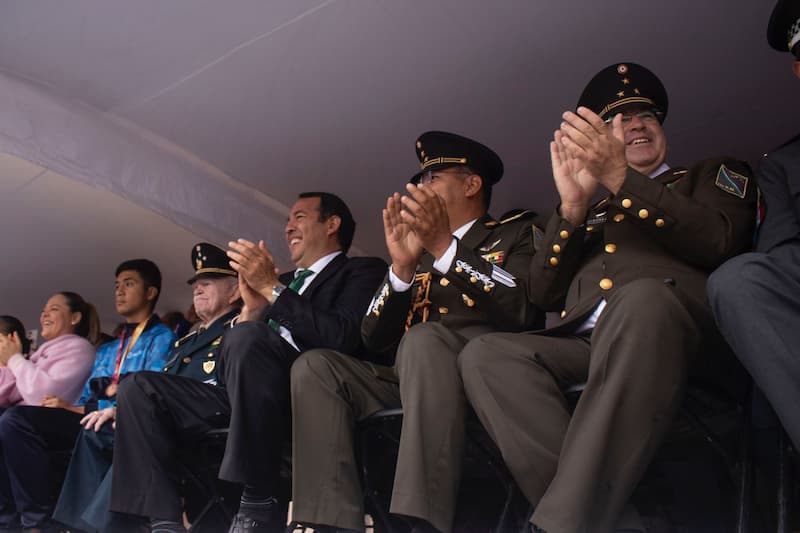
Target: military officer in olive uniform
[456, 273]
[85, 495]
[628, 275]
[760, 291]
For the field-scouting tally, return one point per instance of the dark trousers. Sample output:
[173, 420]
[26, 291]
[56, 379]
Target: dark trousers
[579, 470]
[756, 301]
[83, 502]
[332, 391]
[158, 414]
[28, 434]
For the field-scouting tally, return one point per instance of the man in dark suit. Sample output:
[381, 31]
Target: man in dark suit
[318, 305]
[629, 274]
[83, 503]
[756, 296]
[456, 273]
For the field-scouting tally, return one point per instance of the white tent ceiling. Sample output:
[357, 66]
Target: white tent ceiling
[211, 116]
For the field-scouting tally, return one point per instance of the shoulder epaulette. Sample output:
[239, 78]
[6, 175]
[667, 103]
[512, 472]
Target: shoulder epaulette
[511, 216]
[185, 338]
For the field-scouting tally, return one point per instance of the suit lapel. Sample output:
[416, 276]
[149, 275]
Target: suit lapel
[331, 268]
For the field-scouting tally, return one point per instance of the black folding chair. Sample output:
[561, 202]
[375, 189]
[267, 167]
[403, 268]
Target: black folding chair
[484, 474]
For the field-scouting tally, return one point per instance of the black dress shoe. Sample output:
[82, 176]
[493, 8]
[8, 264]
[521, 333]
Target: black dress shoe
[295, 527]
[242, 523]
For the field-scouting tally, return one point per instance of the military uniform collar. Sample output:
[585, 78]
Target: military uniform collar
[477, 232]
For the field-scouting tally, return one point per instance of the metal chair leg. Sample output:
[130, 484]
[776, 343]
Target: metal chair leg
[785, 480]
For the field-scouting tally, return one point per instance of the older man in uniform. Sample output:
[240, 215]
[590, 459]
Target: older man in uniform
[760, 291]
[83, 502]
[456, 273]
[630, 272]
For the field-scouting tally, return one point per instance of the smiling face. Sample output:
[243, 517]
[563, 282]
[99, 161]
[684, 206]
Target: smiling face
[56, 319]
[310, 239]
[645, 142]
[212, 297]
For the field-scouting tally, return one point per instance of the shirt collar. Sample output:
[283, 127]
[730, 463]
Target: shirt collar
[460, 232]
[322, 262]
[660, 170]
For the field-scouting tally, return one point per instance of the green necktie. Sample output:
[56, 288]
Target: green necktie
[300, 276]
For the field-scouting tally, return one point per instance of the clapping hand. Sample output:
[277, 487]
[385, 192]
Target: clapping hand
[257, 274]
[10, 345]
[600, 149]
[402, 243]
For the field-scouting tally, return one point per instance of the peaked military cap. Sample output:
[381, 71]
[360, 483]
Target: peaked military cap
[210, 261]
[624, 84]
[783, 30]
[437, 150]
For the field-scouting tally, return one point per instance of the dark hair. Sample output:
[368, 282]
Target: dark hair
[89, 325]
[148, 271]
[330, 205]
[10, 324]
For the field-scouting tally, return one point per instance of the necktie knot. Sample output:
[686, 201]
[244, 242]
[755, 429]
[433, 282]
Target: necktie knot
[299, 278]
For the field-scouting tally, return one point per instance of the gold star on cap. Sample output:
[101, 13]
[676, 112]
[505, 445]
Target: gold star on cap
[621, 94]
[625, 81]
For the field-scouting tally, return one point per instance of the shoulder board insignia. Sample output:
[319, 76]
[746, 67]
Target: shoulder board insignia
[731, 182]
[185, 338]
[516, 215]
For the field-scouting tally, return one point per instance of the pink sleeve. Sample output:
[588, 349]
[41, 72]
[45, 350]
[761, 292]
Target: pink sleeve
[8, 387]
[60, 371]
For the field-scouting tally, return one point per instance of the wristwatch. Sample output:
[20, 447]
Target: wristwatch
[276, 291]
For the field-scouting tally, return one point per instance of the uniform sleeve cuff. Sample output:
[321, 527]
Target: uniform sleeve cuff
[398, 285]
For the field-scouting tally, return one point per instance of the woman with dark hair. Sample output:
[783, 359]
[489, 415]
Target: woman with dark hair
[11, 324]
[58, 368]
[61, 365]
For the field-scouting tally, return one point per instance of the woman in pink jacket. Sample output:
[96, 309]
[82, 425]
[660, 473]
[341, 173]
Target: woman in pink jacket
[55, 372]
[61, 366]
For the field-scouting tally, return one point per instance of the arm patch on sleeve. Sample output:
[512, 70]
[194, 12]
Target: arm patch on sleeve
[731, 182]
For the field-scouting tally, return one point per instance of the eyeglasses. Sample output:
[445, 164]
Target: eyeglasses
[644, 116]
[431, 175]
